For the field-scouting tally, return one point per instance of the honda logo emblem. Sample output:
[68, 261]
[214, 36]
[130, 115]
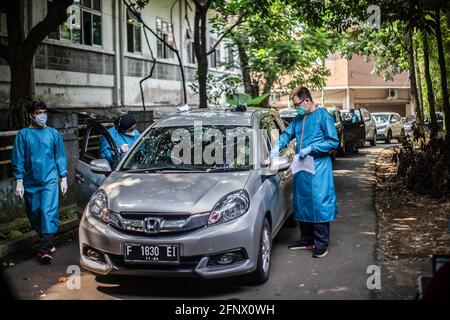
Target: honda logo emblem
[152, 225]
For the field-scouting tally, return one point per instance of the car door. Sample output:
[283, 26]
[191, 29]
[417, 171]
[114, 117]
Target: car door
[369, 124]
[354, 132]
[87, 181]
[281, 183]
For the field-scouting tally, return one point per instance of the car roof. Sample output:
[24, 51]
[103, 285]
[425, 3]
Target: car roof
[210, 116]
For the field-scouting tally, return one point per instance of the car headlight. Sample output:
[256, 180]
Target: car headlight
[98, 205]
[230, 207]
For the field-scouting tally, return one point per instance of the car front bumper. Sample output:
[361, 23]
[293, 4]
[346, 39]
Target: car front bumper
[196, 248]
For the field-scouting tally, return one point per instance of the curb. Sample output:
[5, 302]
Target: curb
[30, 238]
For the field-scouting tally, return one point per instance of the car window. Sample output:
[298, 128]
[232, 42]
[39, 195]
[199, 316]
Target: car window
[271, 131]
[366, 115]
[189, 147]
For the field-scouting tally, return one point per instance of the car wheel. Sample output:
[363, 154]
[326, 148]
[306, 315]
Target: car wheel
[388, 137]
[262, 272]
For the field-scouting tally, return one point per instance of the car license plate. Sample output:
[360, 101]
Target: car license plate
[155, 253]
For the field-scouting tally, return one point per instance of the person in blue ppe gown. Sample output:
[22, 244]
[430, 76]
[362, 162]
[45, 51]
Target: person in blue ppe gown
[38, 161]
[352, 147]
[124, 134]
[314, 194]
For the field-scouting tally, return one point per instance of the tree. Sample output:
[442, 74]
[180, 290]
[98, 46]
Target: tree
[429, 84]
[21, 48]
[276, 45]
[442, 64]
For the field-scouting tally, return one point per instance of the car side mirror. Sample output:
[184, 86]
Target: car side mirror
[393, 121]
[100, 166]
[277, 164]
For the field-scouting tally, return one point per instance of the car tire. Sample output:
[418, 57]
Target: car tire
[262, 272]
[388, 137]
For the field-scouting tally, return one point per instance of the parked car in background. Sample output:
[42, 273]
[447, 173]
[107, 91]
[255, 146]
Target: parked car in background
[287, 115]
[389, 126]
[439, 119]
[339, 123]
[362, 130]
[152, 215]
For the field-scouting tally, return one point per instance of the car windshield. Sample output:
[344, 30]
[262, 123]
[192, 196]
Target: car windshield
[381, 118]
[192, 148]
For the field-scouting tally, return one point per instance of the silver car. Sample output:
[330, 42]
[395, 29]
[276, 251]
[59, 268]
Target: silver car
[389, 126]
[155, 215]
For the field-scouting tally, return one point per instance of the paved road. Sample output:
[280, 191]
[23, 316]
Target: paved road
[295, 275]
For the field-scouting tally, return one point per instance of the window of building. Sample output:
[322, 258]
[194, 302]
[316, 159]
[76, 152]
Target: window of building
[214, 59]
[2, 23]
[134, 33]
[190, 47]
[230, 54]
[164, 31]
[84, 25]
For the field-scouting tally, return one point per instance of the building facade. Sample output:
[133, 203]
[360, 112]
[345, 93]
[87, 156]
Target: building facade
[98, 57]
[352, 84]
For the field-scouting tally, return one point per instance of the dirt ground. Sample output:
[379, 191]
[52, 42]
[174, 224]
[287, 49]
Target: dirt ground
[411, 229]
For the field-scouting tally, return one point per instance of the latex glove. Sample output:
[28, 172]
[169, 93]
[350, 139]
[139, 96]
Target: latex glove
[64, 185]
[304, 152]
[275, 150]
[124, 148]
[19, 188]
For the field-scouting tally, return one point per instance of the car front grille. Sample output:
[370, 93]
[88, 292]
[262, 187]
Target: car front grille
[157, 224]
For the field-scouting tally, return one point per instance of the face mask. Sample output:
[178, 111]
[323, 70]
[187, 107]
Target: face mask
[301, 112]
[131, 134]
[41, 119]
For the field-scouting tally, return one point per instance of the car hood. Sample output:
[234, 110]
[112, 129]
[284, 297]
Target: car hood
[170, 192]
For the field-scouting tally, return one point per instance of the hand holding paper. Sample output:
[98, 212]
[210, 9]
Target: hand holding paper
[305, 164]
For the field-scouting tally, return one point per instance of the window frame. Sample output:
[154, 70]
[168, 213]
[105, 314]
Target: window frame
[135, 24]
[89, 10]
[167, 53]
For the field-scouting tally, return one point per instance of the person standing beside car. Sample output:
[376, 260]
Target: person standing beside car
[38, 160]
[124, 134]
[314, 194]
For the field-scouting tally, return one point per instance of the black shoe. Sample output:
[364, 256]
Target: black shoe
[320, 253]
[46, 258]
[301, 245]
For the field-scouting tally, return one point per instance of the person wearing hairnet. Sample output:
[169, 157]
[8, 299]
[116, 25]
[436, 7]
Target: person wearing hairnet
[314, 194]
[124, 134]
[38, 160]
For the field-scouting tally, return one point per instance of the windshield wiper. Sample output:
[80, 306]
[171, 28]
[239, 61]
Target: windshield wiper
[226, 169]
[160, 169]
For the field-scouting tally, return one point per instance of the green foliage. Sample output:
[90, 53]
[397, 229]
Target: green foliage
[217, 86]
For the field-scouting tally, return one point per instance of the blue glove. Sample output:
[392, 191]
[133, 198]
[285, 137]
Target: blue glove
[304, 152]
[275, 150]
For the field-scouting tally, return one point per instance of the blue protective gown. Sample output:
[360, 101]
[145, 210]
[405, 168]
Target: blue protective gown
[39, 158]
[314, 194]
[120, 138]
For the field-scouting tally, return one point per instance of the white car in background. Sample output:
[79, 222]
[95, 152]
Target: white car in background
[389, 126]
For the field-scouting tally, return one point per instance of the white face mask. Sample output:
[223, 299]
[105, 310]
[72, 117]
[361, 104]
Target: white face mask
[41, 119]
[131, 134]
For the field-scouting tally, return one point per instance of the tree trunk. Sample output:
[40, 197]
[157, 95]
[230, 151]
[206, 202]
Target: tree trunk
[412, 76]
[441, 57]
[20, 90]
[429, 84]
[245, 68]
[266, 89]
[200, 21]
[419, 80]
